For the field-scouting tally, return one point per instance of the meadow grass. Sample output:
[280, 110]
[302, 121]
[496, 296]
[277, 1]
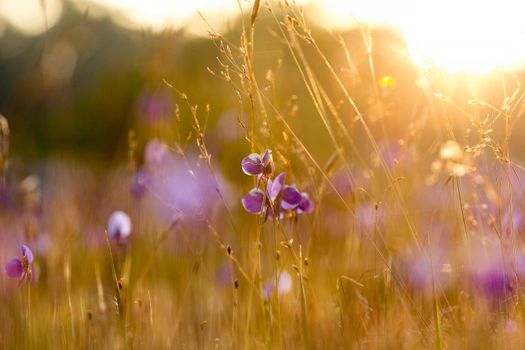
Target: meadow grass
[415, 239]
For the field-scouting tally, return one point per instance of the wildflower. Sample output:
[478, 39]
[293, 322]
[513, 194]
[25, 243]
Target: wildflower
[255, 164]
[278, 196]
[511, 326]
[284, 285]
[140, 182]
[20, 267]
[156, 152]
[155, 105]
[305, 205]
[119, 225]
[494, 275]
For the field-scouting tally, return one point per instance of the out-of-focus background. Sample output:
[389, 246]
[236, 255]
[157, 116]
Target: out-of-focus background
[76, 76]
[401, 121]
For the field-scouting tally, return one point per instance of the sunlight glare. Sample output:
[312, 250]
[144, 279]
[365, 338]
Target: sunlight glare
[31, 17]
[461, 36]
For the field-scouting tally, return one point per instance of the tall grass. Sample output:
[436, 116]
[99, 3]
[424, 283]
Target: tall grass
[416, 239]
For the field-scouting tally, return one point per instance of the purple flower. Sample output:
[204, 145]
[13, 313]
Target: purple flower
[278, 196]
[139, 185]
[291, 197]
[253, 201]
[255, 164]
[155, 104]
[305, 206]
[178, 184]
[20, 267]
[493, 270]
[119, 225]
[284, 285]
[156, 152]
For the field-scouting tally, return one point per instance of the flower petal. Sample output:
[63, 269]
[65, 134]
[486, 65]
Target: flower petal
[267, 163]
[253, 201]
[291, 197]
[119, 225]
[13, 268]
[305, 206]
[27, 253]
[252, 164]
[275, 187]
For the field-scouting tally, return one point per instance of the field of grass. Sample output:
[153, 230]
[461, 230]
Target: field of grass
[346, 198]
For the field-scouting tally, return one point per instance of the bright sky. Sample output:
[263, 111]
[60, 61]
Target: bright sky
[473, 36]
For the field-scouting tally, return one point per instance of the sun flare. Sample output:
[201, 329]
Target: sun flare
[460, 36]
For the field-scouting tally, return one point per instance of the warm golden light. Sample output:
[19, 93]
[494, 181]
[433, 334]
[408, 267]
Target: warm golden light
[30, 17]
[461, 36]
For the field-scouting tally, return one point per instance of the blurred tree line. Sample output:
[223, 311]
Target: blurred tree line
[77, 89]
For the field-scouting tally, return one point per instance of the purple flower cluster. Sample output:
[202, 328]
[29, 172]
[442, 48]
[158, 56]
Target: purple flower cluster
[277, 198]
[20, 267]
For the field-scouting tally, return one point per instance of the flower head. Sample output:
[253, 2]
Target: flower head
[119, 225]
[255, 164]
[284, 285]
[278, 198]
[305, 206]
[20, 267]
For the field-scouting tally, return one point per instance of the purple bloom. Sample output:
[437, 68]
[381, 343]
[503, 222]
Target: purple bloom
[20, 267]
[305, 206]
[284, 285]
[255, 165]
[369, 216]
[275, 187]
[291, 197]
[156, 152]
[253, 201]
[155, 104]
[494, 272]
[119, 225]
[178, 184]
[140, 182]
[278, 196]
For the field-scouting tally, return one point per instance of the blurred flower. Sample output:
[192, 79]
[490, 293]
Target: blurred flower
[225, 273]
[140, 181]
[255, 164]
[393, 154]
[119, 226]
[284, 285]
[229, 125]
[155, 152]
[494, 270]
[511, 326]
[428, 271]
[155, 104]
[512, 223]
[305, 205]
[369, 216]
[178, 184]
[20, 267]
